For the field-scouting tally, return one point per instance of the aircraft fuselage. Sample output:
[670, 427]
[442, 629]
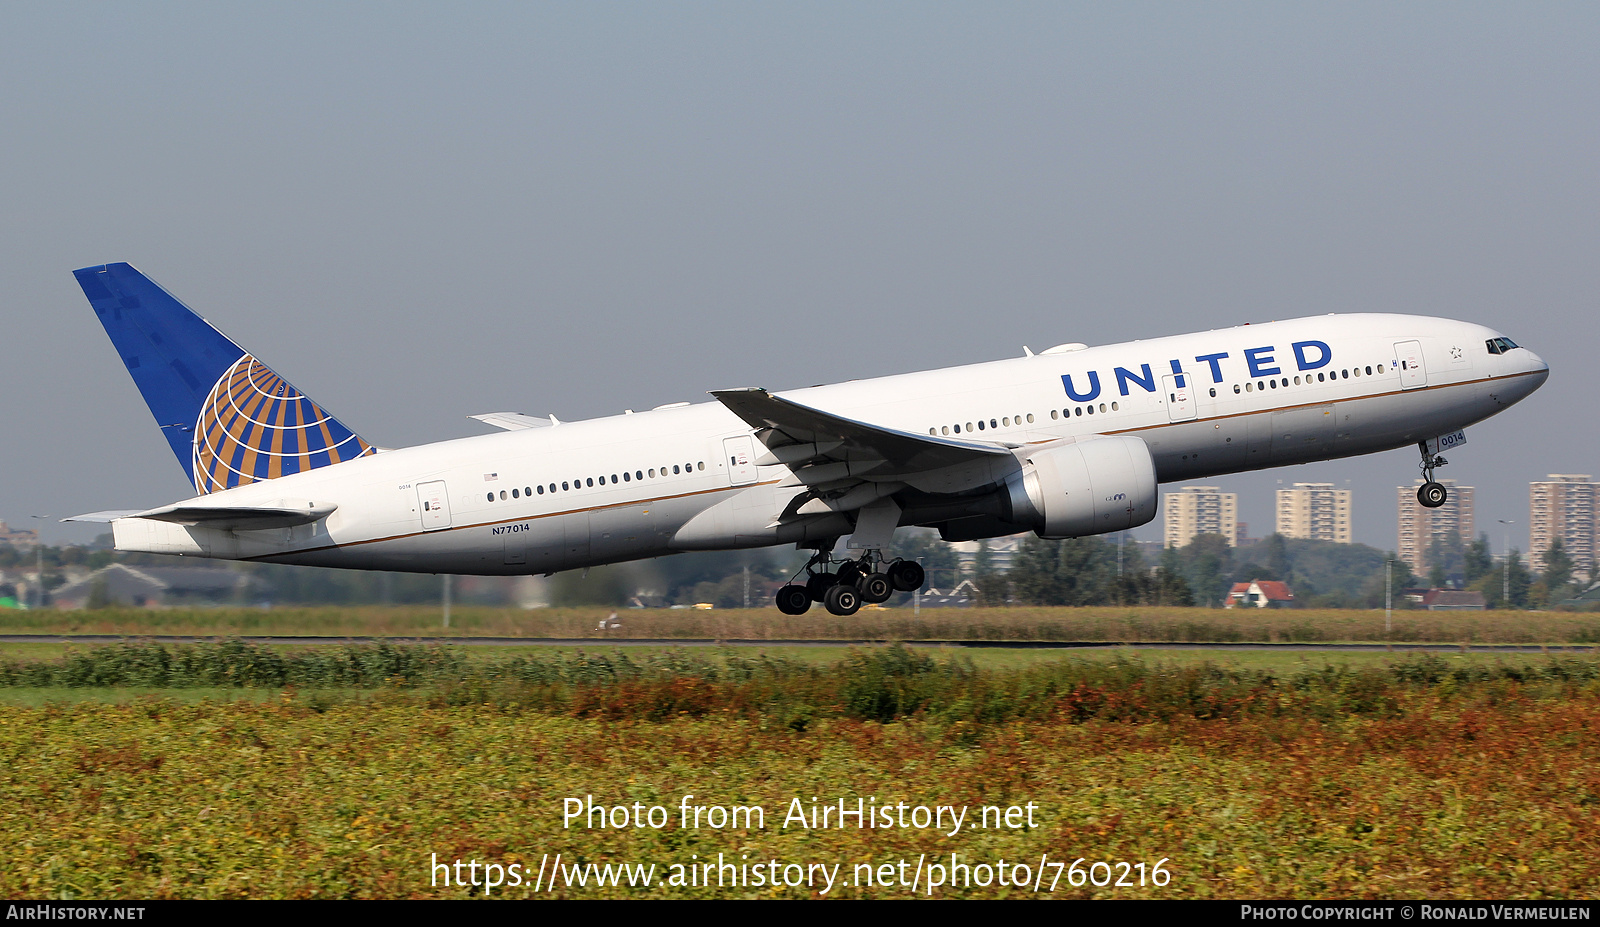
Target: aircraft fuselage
[625, 487]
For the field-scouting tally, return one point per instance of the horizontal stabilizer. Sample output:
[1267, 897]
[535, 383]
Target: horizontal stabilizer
[240, 517]
[103, 518]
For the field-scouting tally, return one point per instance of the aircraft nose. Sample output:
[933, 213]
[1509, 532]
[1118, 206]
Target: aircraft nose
[1537, 365]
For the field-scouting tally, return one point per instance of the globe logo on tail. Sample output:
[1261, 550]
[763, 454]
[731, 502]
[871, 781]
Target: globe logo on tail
[254, 425]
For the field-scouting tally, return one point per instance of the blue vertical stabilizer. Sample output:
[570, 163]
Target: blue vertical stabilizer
[228, 417]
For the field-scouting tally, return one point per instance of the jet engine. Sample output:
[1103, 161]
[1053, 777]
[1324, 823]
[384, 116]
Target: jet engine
[1083, 486]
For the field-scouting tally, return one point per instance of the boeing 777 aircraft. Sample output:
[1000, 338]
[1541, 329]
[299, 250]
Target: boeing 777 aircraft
[1067, 442]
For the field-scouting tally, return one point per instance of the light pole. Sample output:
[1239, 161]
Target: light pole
[38, 550]
[1121, 536]
[1505, 572]
[1388, 595]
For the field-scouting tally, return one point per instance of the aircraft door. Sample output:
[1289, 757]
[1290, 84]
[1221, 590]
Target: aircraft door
[1412, 373]
[433, 504]
[516, 549]
[740, 453]
[1179, 390]
[575, 539]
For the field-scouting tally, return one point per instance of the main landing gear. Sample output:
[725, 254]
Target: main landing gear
[1431, 494]
[867, 580]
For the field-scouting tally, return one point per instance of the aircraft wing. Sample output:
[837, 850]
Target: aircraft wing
[783, 424]
[514, 421]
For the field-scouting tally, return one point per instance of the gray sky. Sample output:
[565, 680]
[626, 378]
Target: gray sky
[420, 212]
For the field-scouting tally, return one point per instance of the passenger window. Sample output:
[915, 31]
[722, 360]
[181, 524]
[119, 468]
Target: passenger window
[1091, 409]
[958, 429]
[675, 468]
[944, 429]
[700, 466]
[1102, 407]
[1273, 383]
[1054, 415]
[502, 495]
[1369, 371]
[602, 479]
[1078, 411]
[541, 489]
[652, 472]
[591, 481]
[1236, 388]
[1007, 421]
[1213, 392]
[513, 494]
[1114, 405]
[613, 479]
[1030, 418]
[526, 491]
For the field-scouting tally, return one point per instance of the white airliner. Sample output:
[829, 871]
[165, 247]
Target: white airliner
[1067, 442]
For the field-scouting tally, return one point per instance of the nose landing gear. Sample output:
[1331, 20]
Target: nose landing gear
[867, 580]
[1431, 494]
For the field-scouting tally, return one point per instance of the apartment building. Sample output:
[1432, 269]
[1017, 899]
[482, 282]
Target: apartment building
[1194, 510]
[1419, 526]
[1316, 511]
[1563, 506]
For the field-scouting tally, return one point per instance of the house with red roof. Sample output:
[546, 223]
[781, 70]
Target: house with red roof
[1260, 593]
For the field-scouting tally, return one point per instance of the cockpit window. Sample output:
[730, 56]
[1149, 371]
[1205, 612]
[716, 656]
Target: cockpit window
[1500, 345]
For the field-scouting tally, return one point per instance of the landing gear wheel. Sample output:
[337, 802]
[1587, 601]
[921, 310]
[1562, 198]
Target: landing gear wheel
[794, 599]
[875, 588]
[907, 575]
[849, 573]
[842, 600]
[1432, 495]
[818, 585]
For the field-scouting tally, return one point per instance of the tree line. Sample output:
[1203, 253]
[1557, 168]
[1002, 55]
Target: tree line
[1321, 574]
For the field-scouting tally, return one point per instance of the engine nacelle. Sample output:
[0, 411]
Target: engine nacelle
[1083, 486]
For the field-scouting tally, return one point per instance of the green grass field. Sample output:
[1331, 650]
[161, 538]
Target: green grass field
[1451, 797]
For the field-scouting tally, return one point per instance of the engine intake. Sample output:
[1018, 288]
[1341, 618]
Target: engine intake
[1083, 486]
